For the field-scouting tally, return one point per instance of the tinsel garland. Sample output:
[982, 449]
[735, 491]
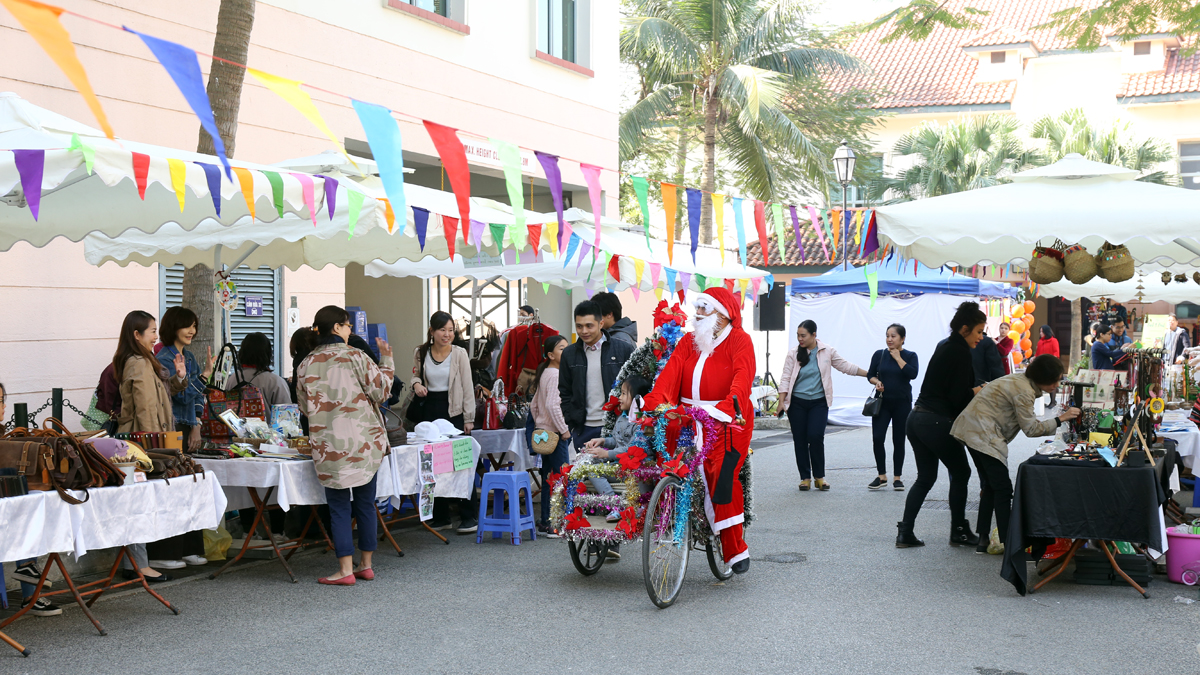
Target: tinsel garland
[644, 361]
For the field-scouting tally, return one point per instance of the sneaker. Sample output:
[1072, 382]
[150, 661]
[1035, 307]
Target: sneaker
[439, 524]
[614, 555]
[898, 485]
[613, 516]
[195, 560]
[168, 564]
[42, 607]
[467, 525]
[877, 483]
[29, 573]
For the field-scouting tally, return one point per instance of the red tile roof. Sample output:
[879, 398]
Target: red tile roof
[1182, 74]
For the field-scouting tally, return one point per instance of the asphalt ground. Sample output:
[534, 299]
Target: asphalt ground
[827, 592]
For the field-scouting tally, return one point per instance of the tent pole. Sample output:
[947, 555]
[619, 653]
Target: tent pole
[471, 326]
[218, 317]
[1188, 245]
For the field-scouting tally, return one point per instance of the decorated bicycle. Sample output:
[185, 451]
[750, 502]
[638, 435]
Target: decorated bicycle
[685, 477]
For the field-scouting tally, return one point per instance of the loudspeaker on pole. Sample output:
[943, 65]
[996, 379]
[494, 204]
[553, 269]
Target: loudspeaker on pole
[769, 313]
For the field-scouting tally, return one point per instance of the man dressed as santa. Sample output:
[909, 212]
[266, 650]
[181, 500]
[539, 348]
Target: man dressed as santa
[709, 367]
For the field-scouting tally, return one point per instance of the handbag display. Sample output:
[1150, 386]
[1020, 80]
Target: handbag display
[394, 425]
[487, 412]
[544, 441]
[518, 410]
[49, 460]
[242, 398]
[873, 405]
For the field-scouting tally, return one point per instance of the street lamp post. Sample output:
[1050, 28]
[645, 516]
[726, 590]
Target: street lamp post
[843, 166]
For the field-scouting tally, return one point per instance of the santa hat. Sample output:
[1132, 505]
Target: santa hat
[724, 302]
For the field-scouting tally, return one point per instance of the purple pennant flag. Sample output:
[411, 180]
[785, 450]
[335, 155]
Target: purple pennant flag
[331, 186]
[212, 174]
[693, 206]
[477, 228]
[685, 280]
[796, 227]
[421, 221]
[31, 164]
[584, 247]
[554, 178]
[871, 240]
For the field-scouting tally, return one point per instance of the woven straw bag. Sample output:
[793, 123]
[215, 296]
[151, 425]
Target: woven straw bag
[1046, 264]
[1115, 263]
[1079, 266]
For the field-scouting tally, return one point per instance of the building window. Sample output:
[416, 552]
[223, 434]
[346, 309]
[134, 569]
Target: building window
[450, 14]
[556, 28]
[1189, 164]
[998, 57]
[439, 7]
[1141, 48]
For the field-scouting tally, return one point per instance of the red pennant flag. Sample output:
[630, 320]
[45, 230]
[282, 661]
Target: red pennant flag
[760, 224]
[141, 167]
[450, 226]
[614, 268]
[728, 285]
[454, 160]
[535, 236]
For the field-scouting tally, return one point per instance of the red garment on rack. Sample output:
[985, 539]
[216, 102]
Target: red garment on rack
[522, 349]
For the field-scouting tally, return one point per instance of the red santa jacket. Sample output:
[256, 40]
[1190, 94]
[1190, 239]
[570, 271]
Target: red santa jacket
[727, 372]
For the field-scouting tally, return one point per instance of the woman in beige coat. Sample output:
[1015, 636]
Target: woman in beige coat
[990, 422]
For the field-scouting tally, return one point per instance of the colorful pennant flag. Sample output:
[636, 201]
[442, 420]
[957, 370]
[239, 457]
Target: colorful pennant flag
[614, 267]
[554, 180]
[572, 246]
[642, 189]
[718, 205]
[816, 225]
[835, 218]
[584, 247]
[668, 197]
[742, 284]
[873, 285]
[454, 160]
[331, 186]
[685, 282]
[141, 168]
[534, 237]
[246, 184]
[388, 214]
[497, 230]
[655, 272]
[290, 91]
[871, 241]
[421, 223]
[760, 224]
[383, 137]
[178, 171]
[780, 242]
[276, 182]
[31, 166]
[450, 227]
[694, 199]
[591, 175]
[477, 228]
[701, 282]
[307, 192]
[551, 232]
[89, 152]
[212, 175]
[354, 204]
[510, 162]
[740, 226]
[796, 228]
[638, 267]
[670, 281]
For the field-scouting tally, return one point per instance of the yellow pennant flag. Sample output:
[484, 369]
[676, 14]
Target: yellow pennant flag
[290, 91]
[41, 22]
[178, 179]
[718, 205]
[245, 181]
[743, 283]
[638, 267]
[858, 220]
[658, 293]
[550, 235]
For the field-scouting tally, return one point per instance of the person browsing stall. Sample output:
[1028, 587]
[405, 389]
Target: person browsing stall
[546, 410]
[179, 326]
[255, 357]
[892, 372]
[618, 326]
[587, 372]
[1104, 351]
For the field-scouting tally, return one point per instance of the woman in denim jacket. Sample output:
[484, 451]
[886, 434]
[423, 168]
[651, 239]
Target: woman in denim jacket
[178, 329]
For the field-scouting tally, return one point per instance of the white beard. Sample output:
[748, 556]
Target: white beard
[704, 333]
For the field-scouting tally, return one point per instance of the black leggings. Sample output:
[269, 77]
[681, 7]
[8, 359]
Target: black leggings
[894, 411]
[931, 441]
[996, 493]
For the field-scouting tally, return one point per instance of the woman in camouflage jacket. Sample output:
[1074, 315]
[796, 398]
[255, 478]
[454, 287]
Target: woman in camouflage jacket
[339, 388]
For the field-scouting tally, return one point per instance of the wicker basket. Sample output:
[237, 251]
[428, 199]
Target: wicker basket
[1114, 263]
[1043, 268]
[1079, 266]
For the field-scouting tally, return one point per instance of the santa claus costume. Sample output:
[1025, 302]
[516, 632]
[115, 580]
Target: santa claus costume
[708, 373]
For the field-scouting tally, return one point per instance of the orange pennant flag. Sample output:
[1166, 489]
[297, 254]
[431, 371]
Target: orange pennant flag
[389, 215]
[835, 225]
[245, 181]
[668, 196]
[41, 22]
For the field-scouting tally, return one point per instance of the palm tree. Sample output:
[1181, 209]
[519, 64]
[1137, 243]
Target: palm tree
[964, 155]
[1071, 132]
[730, 61]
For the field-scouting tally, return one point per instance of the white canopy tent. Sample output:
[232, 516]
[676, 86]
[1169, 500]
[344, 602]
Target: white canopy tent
[1075, 200]
[1148, 282]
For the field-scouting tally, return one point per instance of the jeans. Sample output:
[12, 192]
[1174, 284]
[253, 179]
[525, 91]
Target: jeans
[996, 493]
[551, 463]
[894, 411]
[362, 507]
[931, 441]
[808, 419]
[581, 436]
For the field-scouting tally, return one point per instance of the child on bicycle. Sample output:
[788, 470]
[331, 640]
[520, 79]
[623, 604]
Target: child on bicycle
[609, 447]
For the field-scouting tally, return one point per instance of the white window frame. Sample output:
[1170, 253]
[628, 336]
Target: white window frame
[583, 30]
[1191, 179]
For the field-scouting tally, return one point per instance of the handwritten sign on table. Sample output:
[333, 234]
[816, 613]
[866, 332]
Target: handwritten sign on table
[462, 453]
[443, 457]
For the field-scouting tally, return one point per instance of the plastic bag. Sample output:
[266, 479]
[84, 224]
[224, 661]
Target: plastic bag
[217, 543]
[995, 546]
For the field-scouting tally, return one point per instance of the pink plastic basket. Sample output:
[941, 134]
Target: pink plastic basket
[1182, 549]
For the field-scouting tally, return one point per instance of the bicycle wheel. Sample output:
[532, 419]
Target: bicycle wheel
[588, 558]
[664, 558]
[716, 558]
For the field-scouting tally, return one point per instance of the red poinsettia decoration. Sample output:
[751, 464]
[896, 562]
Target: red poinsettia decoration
[632, 458]
[628, 525]
[677, 421]
[556, 476]
[576, 520]
[663, 316]
[581, 488]
[676, 468]
[613, 405]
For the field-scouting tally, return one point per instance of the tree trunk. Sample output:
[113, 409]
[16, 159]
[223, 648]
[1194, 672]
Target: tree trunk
[711, 108]
[235, 19]
[1076, 334]
[680, 172]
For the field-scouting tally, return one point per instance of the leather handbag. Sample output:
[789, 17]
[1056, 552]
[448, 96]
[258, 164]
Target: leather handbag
[544, 441]
[394, 425]
[242, 398]
[487, 413]
[48, 460]
[873, 405]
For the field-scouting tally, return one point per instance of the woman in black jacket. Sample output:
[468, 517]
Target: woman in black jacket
[948, 387]
[892, 372]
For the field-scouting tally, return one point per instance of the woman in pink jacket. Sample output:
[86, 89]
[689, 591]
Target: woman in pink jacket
[805, 393]
[546, 409]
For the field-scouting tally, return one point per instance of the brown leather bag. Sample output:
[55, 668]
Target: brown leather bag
[176, 461]
[48, 460]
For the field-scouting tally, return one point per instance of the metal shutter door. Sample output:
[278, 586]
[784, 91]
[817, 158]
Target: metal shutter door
[262, 282]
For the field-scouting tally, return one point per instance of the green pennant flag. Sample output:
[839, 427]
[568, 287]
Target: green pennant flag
[89, 153]
[276, 190]
[355, 207]
[546, 287]
[777, 212]
[497, 236]
[701, 282]
[605, 276]
[510, 158]
[642, 188]
[873, 284]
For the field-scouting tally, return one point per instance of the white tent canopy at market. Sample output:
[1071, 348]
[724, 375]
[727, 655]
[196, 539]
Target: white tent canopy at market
[1147, 282]
[1074, 200]
[75, 201]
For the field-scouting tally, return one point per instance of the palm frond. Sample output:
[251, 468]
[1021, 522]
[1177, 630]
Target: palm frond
[644, 117]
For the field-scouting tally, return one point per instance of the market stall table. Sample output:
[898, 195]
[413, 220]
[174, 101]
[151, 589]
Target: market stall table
[1184, 432]
[112, 517]
[405, 466]
[1080, 503]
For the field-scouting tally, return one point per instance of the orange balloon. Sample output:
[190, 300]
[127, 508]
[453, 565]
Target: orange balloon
[1028, 352]
[1018, 311]
[1029, 306]
[1018, 326]
[1030, 322]
[1026, 345]
[1014, 336]
[1018, 357]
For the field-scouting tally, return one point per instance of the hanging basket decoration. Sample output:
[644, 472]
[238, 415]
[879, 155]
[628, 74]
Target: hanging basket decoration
[1166, 278]
[1180, 278]
[1115, 263]
[1196, 277]
[1079, 266]
[1046, 264]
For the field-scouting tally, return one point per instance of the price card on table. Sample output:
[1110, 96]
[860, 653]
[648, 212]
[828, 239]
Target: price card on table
[462, 453]
[443, 457]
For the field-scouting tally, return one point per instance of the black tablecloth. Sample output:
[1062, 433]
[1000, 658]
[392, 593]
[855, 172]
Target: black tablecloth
[1074, 502]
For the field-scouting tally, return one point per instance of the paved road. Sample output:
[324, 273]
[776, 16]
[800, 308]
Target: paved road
[850, 603]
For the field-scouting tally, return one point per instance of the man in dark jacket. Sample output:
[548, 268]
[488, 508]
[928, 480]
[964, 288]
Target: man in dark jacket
[587, 371]
[619, 327]
[986, 359]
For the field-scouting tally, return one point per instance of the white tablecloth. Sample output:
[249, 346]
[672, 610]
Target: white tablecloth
[41, 522]
[508, 445]
[407, 474]
[1187, 441]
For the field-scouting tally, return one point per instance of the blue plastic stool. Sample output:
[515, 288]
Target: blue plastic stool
[505, 488]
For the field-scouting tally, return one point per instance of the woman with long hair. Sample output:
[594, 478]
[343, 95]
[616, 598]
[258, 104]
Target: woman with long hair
[1047, 343]
[442, 390]
[255, 357]
[546, 411]
[146, 391]
[948, 387]
[340, 389]
[807, 393]
[892, 372]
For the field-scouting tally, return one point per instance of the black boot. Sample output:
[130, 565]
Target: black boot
[905, 537]
[961, 534]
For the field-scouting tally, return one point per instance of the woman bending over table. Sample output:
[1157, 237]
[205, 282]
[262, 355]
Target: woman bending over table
[990, 422]
[340, 388]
